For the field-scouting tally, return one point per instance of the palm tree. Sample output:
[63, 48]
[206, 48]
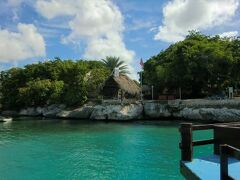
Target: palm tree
[112, 62]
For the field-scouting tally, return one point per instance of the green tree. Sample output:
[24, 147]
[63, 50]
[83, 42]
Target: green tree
[51, 82]
[199, 65]
[114, 62]
[94, 80]
[41, 92]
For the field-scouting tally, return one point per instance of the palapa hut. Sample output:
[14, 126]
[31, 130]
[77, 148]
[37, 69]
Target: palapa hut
[119, 87]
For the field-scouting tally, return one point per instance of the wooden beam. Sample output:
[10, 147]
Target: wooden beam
[211, 126]
[203, 142]
[223, 162]
[203, 127]
[187, 173]
[186, 142]
[225, 152]
[234, 152]
[226, 135]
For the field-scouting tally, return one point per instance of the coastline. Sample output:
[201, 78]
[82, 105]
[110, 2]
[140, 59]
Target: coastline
[193, 110]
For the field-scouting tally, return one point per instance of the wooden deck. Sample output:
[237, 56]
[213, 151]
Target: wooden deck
[209, 168]
[223, 164]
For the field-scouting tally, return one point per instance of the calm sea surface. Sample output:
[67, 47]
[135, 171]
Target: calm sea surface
[50, 149]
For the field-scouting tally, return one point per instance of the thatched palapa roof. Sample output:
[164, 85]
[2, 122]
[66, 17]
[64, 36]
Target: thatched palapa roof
[123, 82]
[127, 84]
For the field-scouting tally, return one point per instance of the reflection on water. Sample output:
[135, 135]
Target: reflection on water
[52, 149]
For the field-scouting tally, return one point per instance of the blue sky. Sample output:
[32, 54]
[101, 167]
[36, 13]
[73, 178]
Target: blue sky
[38, 30]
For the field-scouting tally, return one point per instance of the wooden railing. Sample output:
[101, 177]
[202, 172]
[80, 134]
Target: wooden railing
[225, 152]
[187, 143]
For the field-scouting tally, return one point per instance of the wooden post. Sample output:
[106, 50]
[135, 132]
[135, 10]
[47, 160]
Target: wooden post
[180, 93]
[186, 142]
[152, 92]
[141, 86]
[223, 162]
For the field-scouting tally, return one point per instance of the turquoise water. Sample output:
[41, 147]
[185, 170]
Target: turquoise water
[47, 149]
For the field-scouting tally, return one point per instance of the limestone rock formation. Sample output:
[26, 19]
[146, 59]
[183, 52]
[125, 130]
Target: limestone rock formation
[117, 112]
[52, 110]
[156, 110]
[31, 112]
[211, 114]
[79, 113]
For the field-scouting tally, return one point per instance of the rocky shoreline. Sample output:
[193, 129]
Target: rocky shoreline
[197, 109]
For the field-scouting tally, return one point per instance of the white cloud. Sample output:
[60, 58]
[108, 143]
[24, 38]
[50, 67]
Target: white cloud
[98, 23]
[54, 8]
[153, 29]
[181, 16]
[21, 45]
[110, 46]
[229, 34]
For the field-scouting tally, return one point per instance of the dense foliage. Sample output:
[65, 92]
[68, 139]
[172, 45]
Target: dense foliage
[200, 65]
[69, 82]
